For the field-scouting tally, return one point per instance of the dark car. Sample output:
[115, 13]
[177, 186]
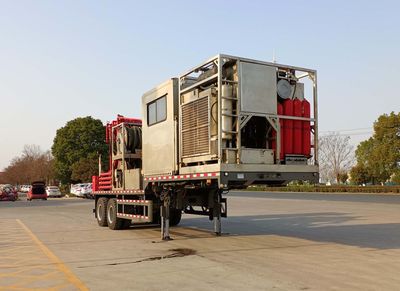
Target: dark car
[8, 193]
[37, 191]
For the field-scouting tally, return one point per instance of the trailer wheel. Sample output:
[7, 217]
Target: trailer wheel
[101, 211]
[175, 216]
[127, 223]
[114, 222]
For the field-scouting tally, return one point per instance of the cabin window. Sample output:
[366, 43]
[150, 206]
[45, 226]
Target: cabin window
[157, 110]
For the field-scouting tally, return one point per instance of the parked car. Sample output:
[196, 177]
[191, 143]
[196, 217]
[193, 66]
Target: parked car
[83, 190]
[37, 191]
[87, 191]
[76, 189]
[53, 191]
[24, 188]
[8, 193]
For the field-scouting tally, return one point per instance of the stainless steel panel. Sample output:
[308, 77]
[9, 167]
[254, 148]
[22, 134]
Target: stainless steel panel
[299, 91]
[257, 156]
[258, 88]
[133, 179]
[160, 146]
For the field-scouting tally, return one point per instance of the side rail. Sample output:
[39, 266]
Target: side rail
[140, 211]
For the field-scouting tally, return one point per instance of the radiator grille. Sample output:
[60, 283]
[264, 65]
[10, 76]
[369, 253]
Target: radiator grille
[195, 128]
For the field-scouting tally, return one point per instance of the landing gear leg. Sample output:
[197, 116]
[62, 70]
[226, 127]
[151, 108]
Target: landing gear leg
[164, 212]
[217, 214]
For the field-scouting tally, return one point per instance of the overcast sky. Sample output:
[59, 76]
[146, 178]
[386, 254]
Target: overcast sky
[63, 59]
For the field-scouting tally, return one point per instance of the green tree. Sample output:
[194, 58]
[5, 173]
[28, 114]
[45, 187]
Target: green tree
[365, 170]
[77, 143]
[379, 155]
[342, 177]
[386, 152]
[85, 168]
[359, 175]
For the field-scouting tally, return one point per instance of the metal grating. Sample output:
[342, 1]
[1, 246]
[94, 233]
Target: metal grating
[195, 128]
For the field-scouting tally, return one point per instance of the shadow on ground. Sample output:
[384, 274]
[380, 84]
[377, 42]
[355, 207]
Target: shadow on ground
[327, 227]
[339, 197]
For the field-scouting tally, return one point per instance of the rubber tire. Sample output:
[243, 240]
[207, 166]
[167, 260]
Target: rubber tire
[101, 211]
[113, 221]
[175, 216]
[127, 223]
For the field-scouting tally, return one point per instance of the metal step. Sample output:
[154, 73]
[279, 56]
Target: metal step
[231, 149]
[229, 131]
[230, 115]
[229, 98]
[229, 81]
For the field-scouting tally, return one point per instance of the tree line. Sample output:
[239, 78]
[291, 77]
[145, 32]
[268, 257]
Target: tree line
[375, 161]
[73, 157]
[77, 145]
[32, 165]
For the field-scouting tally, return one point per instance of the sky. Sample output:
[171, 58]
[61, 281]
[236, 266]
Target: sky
[65, 59]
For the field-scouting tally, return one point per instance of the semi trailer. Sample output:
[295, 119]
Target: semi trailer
[225, 124]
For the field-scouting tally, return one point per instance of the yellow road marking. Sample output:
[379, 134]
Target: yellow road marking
[60, 265]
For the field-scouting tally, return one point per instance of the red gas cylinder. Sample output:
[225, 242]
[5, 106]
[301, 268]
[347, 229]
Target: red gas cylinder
[297, 127]
[288, 127]
[306, 148]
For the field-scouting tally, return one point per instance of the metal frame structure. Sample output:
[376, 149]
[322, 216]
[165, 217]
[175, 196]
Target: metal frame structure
[241, 119]
[123, 155]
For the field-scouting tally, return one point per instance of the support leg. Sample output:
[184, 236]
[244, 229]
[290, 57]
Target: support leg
[164, 211]
[217, 215]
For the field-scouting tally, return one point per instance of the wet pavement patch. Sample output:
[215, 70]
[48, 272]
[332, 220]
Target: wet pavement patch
[175, 253]
[184, 252]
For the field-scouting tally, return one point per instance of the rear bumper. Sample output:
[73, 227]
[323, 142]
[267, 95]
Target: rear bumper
[8, 198]
[243, 179]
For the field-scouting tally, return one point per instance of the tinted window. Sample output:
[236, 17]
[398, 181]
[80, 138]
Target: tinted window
[151, 111]
[157, 111]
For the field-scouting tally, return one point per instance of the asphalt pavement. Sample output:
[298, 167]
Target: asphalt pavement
[270, 241]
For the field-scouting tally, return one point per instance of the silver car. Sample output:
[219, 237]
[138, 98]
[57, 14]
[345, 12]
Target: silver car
[83, 190]
[53, 191]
